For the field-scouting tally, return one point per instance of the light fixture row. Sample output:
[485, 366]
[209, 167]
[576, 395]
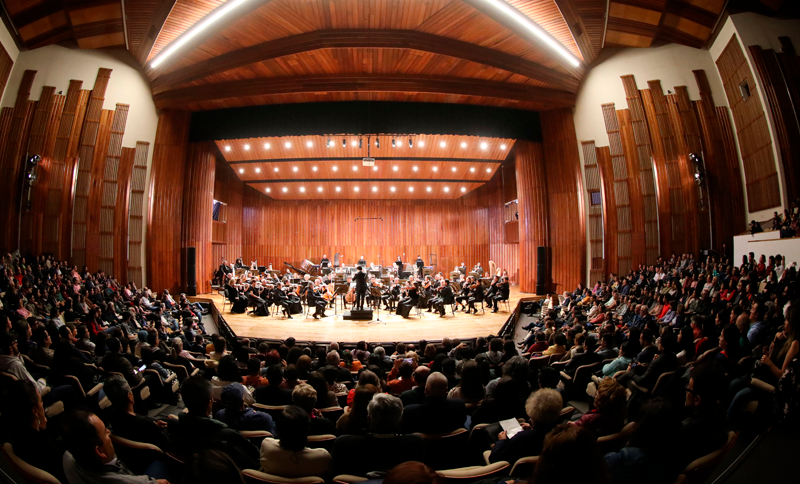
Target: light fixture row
[443, 144]
[472, 169]
[374, 189]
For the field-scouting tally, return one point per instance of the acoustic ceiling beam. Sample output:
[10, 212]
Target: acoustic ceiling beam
[364, 38]
[157, 21]
[491, 12]
[547, 98]
[578, 30]
[214, 28]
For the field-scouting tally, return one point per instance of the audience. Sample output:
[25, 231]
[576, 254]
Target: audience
[290, 456]
[438, 414]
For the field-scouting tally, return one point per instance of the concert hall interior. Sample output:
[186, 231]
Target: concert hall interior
[338, 172]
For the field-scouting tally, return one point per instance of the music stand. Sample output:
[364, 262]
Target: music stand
[339, 289]
[376, 294]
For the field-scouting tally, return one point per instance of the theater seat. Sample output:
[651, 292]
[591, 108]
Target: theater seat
[470, 473]
[698, 470]
[29, 472]
[253, 476]
[524, 467]
[348, 479]
[615, 442]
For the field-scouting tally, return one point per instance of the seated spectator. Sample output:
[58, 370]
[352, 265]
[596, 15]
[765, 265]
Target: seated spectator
[43, 355]
[402, 369]
[289, 456]
[90, 456]
[236, 415]
[28, 424]
[305, 397]
[417, 392]
[228, 374]
[354, 421]
[607, 349]
[330, 374]
[253, 378]
[470, 389]
[621, 362]
[291, 377]
[438, 414]
[212, 467]
[413, 472]
[608, 415]
[704, 431]
[273, 394]
[383, 447]
[560, 346]
[540, 345]
[117, 362]
[349, 363]
[544, 408]
[125, 423]
[366, 377]
[196, 430]
[325, 397]
[557, 459]
[587, 357]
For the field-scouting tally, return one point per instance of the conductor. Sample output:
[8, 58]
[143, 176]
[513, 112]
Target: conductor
[360, 278]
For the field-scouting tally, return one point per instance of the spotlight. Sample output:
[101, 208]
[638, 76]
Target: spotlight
[484, 146]
[394, 168]
[488, 170]
[472, 169]
[429, 189]
[435, 168]
[276, 169]
[354, 143]
[338, 189]
[454, 168]
[285, 189]
[355, 189]
[422, 143]
[463, 144]
[463, 189]
[377, 142]
[374, 189]
[442, 144]
[375, 168]
[294, 168]
[360, 143]
[394, 145]
[302, 189]
[227, 148]
[319, 189]
[447, 189]
[314, 168]
[410, 143]
[502, 147]
[258, 170]
[288, 144]
[415, 168]
[246, 147]
[309, 144]
[392, 188]
[266, 146]
[241, 170]
[268, 190]
[355, 167]
[410, 189]
[335, 168]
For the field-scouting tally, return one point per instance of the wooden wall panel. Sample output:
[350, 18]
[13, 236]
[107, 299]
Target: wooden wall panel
[533, 209]
[228, 188]
[503, 237]
[135, 214]
[593, 182]
[760, 172]
[166, 201]
[104, 240]
[567, 221]
[11, 162]
[121, 209]
[6, 64]
[198, 196]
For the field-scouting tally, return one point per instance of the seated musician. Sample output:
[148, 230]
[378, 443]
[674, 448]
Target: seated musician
[478, 269]
[315, 299]
[475, 295]
[238, 300]
[492, 291]
[426, 293]
[444, 297]
[463, 269]
[239, 264]
[503, 292]
[408, 302]
[280, 299]
[255, 299]
[224, 270]
[362, 262]
[386, 295]
[463, 296]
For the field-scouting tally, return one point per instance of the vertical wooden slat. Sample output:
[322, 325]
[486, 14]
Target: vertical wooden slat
[121, 208]
[136, 211]
[600, 262]
[533, 210]
[104, 238]
[198, 196]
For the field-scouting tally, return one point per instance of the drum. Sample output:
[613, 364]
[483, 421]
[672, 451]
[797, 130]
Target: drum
[309, 267]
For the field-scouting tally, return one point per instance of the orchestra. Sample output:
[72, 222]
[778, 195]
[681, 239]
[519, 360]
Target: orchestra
[259, 288]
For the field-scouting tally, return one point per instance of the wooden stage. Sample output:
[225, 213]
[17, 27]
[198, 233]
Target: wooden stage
[333, 328]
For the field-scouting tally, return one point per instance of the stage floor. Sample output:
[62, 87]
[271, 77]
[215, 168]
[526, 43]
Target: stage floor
[391, 328]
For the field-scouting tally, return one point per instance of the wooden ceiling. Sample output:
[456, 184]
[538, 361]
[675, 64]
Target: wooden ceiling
[291, 51]
[308, 167]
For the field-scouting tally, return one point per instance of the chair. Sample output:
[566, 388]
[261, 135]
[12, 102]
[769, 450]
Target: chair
[471, 473]
[504, 301]
[661, 378]
[341, 398]
[180, 370]
[323, 441]
[538, 362]
[257, 477]
[348, 479]
[581, 378]
[255, 436]
[51, 411]
[274, 411]
[226, 300]
[524, 467]
[566, 414]
[29, 472]
[446, 451]
[615, 442]
[698, 470]
[555, 358]
[137, 455]
[332, 413]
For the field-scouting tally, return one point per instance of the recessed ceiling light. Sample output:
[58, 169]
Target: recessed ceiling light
[463, 189]
[410, 189]
[294, 168]
[484, 146]
[421, 143]
[463, 144]
[285, 189]
[502, 147]
[309, 144]
[435, 168]
[266, 146]
[355, 189]
[335, 168]
[258, 170]
[302, 189]
[454, 168]
[394, 168]
[472, 169]
[246, 147]
[276, 169]
[314, 168]
[319, 189]
[355, 168]
[392, 189]
[429, 188]
[288, 144]
[442, 144]
[241, 170]
[354, 143]
[268, 190]
[447, 189]
[488, 170]
[338, 189]
[227, 148]
[375, 168]
[415, 168]
[374, 189]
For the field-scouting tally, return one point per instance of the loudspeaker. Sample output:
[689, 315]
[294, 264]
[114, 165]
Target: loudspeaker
[191, 271]
[542, 274]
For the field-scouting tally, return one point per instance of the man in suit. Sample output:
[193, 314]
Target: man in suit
[420, 265]
[279, 298]
[438, 414]
[360, 278]
[417, 394]
[125, 422]
[316, 300]
[444, 297]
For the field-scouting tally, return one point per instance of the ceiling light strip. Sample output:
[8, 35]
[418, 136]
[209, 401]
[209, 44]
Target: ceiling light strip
[359, 158]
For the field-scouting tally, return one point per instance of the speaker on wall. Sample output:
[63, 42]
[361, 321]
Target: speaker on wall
[541, 271]
[191, 272]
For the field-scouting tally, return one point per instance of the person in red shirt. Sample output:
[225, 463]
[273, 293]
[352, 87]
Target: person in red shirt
[540, 344]
[404, 370]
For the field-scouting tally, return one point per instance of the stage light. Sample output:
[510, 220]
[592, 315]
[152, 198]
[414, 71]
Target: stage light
[502, 147]
[472, 169]
[484, 146]
[410, 143]
[319, 189]
[463, 189]
[374, 167]
[446, 189]
[533, 28]
[394, 145]
[435, 168]
[442, 144]
[268, 190]
[328, 144]
[454, 168]
[355, 167]
[344, 142]
[394, 168]
[246, 147]
[410, 189]
[294, 168]
[360, 143]
[314, 168]
[258, 170]
[392, 188]
[335, 168]
[285, 189]
[266, 146]
[429, 188]
[377, 142]
[354, 143]
[288, 144]
[227, 148]
[241, 170]
[276, 169]
[302, 189]
[421, 143]
[199, 27]
[309, 144]
[463, 144]
[415, 168]
[355, 189]
[338, 189]
[374, 189]
[488, 170]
